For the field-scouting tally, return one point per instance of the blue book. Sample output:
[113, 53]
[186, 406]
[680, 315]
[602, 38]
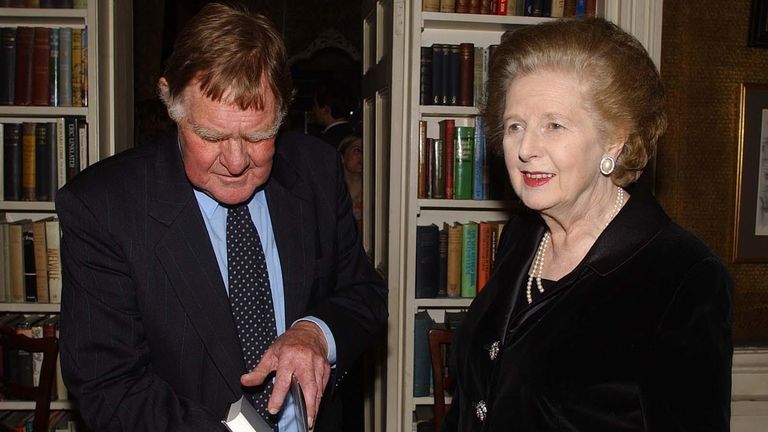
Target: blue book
[65, 66]
[422, 362]
[479, 173]
[53, 83]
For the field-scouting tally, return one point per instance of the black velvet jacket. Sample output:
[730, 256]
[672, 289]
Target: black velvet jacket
[638, 338]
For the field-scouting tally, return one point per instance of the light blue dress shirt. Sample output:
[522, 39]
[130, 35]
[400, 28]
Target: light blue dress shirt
[215, 217]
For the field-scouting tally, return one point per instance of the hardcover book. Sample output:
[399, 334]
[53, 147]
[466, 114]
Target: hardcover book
[24, 51]
[452, 79]
[422, 364]
[427, 261]
[65, 66]
[437, 161]
[53, 253]
[469, 259]
[40, 247]
[41, 57]
[448, 135]
[53, 66]
[12, 161]
[466, 74]
[45, 159]
[7, 65]
[425, 76]
[479, 170]
[462, 171]
[442, 264]
[77, 55]
[437, 74]
[28, 162]
[421, 191]
[453, 277]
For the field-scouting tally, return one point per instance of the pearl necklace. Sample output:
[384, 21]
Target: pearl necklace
[538, 260]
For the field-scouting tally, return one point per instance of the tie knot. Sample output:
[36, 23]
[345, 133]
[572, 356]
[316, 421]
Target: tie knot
[239, 213]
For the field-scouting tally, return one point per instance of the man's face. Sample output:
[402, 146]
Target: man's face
[227, 151]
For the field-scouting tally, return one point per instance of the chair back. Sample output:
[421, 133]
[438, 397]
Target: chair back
[41, 394]
[439, 341]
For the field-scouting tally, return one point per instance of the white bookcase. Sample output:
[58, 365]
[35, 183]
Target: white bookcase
[108, 111]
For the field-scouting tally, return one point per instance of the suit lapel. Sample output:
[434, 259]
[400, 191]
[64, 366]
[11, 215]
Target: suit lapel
[186, 254]
[294, 224]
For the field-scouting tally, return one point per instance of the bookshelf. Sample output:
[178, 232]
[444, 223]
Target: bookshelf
[109, 83]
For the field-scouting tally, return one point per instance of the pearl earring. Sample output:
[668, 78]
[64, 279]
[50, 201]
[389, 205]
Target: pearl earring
[607, 165]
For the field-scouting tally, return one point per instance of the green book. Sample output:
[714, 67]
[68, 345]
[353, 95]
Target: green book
[463, 161]
[469, 259]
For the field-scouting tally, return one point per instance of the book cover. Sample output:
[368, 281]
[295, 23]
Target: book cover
[53, 255]
[12, 161]
[453, 78]
[474, 6]
[463, 164]
[478, 91]
[430, 6]
[39, 239]
[501, 7]
[437, 74]
[5, 264]
[41, 57]
[30, 275]
[427, 261]
[512, 7]
[61, 152]
[453, 277]
[65, 66]
[82, 143]
[448, 135]
[479, 171]
[24, 51]
[45, 161]
[77, 55]
[28, 162]
[422, 362]
[71, 146]
[558, 7]
[448, 5]
[569, 8]
[7, 65]
[53, 66]
[581, 8]
[84, 67]
[421, 188]
[438, 169]
[243, 417]
[466, 74]
[469, 259]
[430, 165]
[484, 259]
[442, 263]
[425, 76]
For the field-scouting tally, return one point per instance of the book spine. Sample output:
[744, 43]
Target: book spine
[7, 65]
[454, 61]
[53, 64]
[581, 8]
[73, 153]
[77, 55]
[427, 261]
[466, 74]
[462, 171]
[453, 284]
[12, 161]
[61, 152]
[437, 74]
[41, 57]
[469, 259]
[5, 270]
[479, 82]
[512, 7]
[422, 365]
[54, 260]
[501, 9]
[448, 5]
[557, 8]
[430, 166]
[462, 6]
[478, 160]
[24, 52]
[84, 68]
[448, 129]
[65, 66]
[16, 258]
[430, 6]
[442, 272]
[425, 76]
[41, 261]
[43, 162]
[30, 276]
[474, 6]
[569, 8]
[438, 171]
[82, 143]
[421, 191]
[28, 162]
[484, 244]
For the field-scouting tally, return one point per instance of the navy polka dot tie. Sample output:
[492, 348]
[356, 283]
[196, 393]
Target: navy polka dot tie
[250, 297]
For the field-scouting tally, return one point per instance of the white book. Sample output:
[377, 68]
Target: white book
[242, 417]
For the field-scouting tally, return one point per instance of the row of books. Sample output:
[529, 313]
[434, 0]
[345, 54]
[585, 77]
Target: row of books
[30, 259]
[51, 4]
[59, 421]
[457, 164]
[455, 260]
[44, 66]
[453, 74]
[41, 155]
[536, 8]
[422, 365]
[22, 367]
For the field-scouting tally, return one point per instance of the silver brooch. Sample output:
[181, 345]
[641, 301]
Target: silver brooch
[493, 350]
[481, 410]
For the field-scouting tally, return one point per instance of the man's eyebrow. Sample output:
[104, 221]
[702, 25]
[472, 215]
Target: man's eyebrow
[214, 135]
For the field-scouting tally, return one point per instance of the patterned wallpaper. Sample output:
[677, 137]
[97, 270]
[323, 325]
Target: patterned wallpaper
[704, 60]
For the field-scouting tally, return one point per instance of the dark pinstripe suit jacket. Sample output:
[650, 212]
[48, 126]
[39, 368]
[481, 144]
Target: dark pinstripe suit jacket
[147, 337]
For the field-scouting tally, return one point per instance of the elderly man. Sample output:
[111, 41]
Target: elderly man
[219, 263]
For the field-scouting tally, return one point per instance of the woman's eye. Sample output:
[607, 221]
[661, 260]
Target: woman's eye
[555, 126]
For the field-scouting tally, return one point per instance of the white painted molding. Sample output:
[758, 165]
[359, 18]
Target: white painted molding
[641, 18]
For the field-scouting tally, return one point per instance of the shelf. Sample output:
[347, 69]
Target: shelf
[428, 400]
[30, 405]
[476, 22]
[30, 307]
[27, 206]
[448, 111]
[47, 111]
[439, 204]
[443, 302]
[45, 17]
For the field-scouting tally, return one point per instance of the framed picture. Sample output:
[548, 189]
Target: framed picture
[751, 219]
[758, 24]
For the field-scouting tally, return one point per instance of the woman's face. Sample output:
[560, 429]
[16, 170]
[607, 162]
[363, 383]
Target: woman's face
[352, 157]
[552, 147]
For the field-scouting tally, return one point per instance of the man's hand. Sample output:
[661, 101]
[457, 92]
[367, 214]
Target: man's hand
[300, 351]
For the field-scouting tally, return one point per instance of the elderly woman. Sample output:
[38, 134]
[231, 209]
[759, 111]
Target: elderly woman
[602, 314]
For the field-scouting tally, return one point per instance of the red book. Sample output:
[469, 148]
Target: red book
[41, 66]
[448, 135]
[25, 37]
[501, 9]
[484, 242]
[466, 74]
[421, 191]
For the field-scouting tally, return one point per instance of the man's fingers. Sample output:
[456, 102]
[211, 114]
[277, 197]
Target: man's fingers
[281, 388]
[265, 367]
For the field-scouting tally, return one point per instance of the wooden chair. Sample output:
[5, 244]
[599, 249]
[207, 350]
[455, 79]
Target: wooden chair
[41, 394]
[442, 381]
